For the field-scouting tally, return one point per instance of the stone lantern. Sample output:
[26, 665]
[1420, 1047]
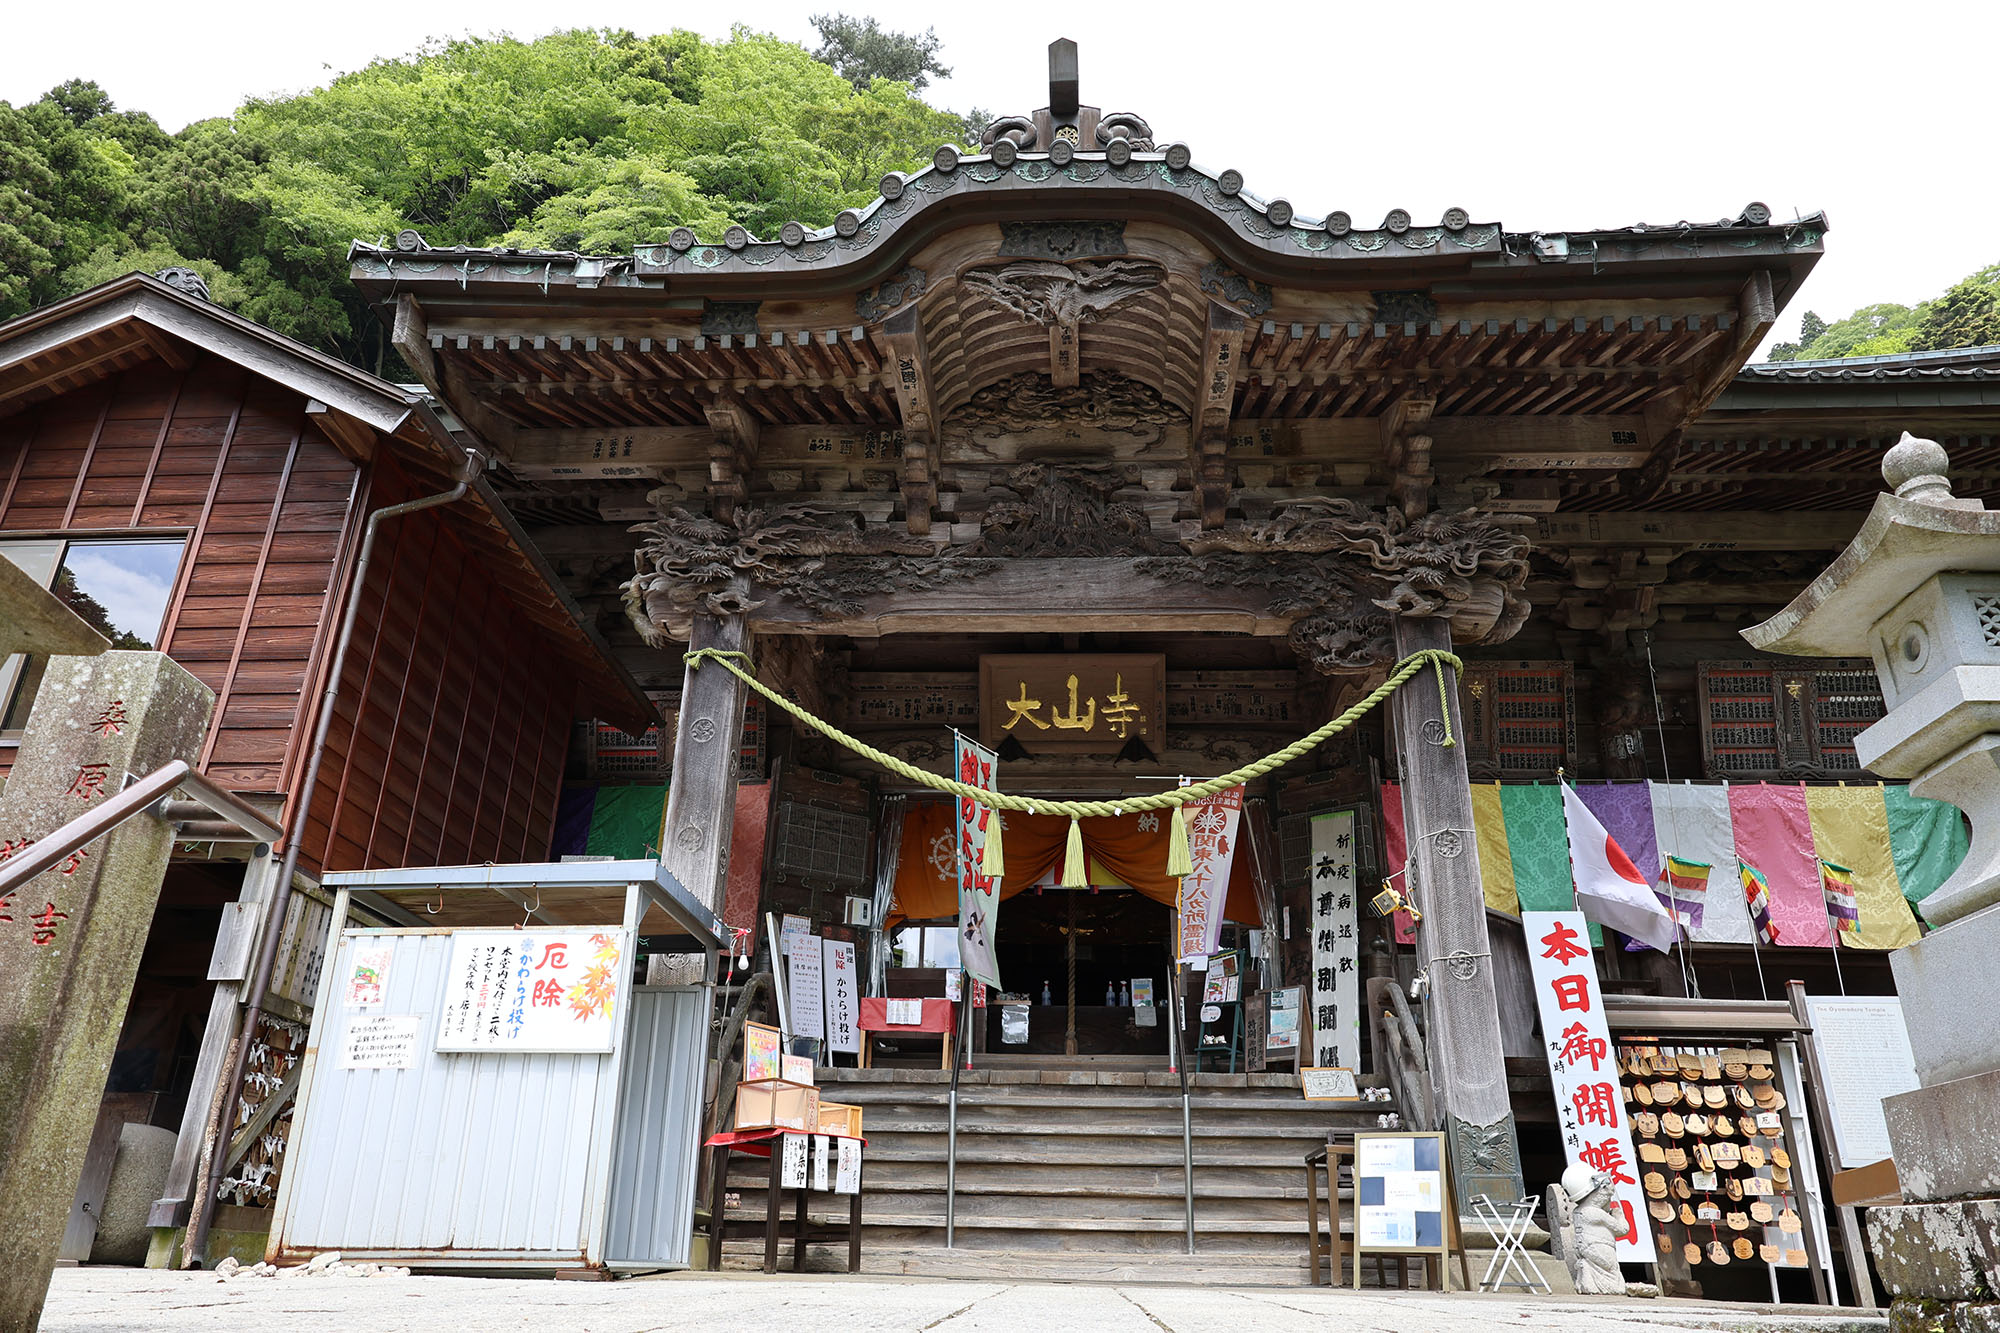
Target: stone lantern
[1918, 591]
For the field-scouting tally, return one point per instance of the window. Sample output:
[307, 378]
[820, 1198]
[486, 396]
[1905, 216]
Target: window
[119, 587]
[925, 946]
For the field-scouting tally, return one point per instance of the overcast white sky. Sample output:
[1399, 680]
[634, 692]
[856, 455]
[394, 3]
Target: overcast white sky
[1538, 116]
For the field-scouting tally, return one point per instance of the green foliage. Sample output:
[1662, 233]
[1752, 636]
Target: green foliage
[598, 141]
[861, 51]
[1966, 316]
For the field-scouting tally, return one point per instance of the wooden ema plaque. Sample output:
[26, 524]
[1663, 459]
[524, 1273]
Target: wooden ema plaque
[1403, 1201]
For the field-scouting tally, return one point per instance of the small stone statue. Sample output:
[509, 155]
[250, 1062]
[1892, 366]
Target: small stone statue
[1589, 1224]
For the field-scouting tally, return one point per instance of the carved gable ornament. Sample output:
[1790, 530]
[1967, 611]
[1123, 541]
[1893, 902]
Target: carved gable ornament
[1338, 568]
[1048, 293]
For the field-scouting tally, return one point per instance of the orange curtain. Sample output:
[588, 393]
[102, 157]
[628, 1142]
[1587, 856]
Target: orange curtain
[1118, 848]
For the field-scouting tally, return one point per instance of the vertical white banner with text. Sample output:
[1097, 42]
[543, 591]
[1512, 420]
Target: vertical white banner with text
[803, 978]
[1583, 1065]
[1336, 979]
[843, 997]
[978, 894]
[1211, 828]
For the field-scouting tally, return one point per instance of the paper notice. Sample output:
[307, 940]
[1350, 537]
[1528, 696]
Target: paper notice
[380, 1041]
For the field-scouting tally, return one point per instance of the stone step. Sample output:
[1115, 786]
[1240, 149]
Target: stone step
[1129, 1268]
[1069, 1180]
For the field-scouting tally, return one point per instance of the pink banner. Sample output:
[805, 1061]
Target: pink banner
[1211, 830]
[1774, 833]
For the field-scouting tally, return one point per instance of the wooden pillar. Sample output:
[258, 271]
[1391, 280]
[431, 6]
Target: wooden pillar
[701, 802]
[1467, 1066]
[170, 1210]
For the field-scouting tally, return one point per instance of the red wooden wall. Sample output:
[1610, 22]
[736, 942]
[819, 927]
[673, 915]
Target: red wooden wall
[463, 711]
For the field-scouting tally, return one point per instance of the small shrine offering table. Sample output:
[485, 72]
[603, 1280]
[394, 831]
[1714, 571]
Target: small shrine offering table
[802, 1163]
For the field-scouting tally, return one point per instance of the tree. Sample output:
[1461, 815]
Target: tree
[594, 140]
[1966, 316]
[861, 51]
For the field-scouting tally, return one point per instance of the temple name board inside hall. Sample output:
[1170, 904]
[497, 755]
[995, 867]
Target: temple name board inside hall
[1075, 702]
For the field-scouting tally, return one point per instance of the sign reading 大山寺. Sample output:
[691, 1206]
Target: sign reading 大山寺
[535, 990]
[1091, 702]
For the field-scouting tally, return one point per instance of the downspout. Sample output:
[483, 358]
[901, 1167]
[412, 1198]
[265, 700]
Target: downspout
[274, 919]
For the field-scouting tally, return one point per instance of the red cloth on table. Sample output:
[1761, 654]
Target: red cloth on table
[938, 1017]
[757, 1142]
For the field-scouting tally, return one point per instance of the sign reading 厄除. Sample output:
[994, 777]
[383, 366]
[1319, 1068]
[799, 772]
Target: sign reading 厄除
[535, 990]
[1091, 702]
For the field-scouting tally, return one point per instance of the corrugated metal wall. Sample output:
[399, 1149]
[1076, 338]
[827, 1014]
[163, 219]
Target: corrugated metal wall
[659, 1107]
[487, 1153]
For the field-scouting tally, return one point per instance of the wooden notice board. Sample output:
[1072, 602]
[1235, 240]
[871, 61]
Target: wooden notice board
[1073, 702]
[1403, 1200]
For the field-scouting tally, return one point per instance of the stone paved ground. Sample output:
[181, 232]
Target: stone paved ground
[101, 1300]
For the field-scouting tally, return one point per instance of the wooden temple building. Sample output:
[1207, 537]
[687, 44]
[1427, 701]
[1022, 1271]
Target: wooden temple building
[1073, 442]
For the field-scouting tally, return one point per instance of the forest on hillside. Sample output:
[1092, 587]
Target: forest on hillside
[583, 140]
[589, 140]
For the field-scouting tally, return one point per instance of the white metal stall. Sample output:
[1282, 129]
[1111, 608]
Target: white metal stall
[485, 1086]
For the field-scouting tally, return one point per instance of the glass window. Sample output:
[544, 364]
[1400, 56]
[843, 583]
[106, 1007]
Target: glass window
[120, 588]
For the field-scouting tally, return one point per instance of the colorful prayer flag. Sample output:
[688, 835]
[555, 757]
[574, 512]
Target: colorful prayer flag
[1686, 884]
[1757, 896]
[1841, 902]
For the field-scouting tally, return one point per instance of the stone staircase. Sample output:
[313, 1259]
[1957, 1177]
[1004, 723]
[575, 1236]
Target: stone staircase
[1076, 1173]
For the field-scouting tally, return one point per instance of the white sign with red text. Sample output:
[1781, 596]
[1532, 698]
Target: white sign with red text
[1211, 829]
[978, 894]
[1583, 1066]
[535, 990]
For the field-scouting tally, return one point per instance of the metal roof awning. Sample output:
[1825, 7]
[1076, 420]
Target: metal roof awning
[556, 893]
[1674, 1015]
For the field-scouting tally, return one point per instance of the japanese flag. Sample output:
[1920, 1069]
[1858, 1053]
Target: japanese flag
[1609, 890]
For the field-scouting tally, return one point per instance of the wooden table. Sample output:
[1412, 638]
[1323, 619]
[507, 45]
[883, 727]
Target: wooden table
[940, 1019]
[763, 1143]
[1326, 1159]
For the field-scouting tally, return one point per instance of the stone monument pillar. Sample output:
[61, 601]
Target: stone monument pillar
[1918, 591]
[1470, 1066]
[70, 938]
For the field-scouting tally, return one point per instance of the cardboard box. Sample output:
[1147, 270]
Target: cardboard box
[772, 1103]
[840, 1118]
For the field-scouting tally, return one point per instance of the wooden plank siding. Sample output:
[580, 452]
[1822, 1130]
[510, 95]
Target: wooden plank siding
[463, 703]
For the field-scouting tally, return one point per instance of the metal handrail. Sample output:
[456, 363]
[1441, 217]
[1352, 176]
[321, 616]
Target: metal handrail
[1177, 1054]
[46, 852]
[961, 1056]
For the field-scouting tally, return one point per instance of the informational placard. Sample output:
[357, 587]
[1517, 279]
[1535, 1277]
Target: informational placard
[903, 1013]
[847, 1167]
[1864, 1056]
[797, 1150]
[368, 976]
[1400, 1197]
[380, 1041]
[1583, 1068]
[1211, 829]
[1284, 1038]
[821, 1150]
[1256, 1031]
[796, 1068]
[1336, 980]
[1225, 979]
[978, 892]
[843, 997]
[1324, 1084]
[762, 1048]
[517, 991]
[804, 981]
[954, 984]
[791, 931]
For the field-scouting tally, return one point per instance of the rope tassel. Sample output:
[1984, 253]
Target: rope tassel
[992, 857]
[1179, 863]
[1074, 876]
